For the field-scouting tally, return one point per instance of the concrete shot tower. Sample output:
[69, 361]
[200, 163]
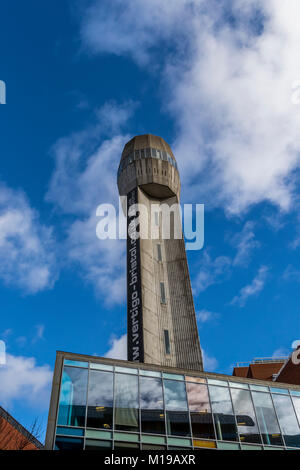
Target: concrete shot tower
[162, 327]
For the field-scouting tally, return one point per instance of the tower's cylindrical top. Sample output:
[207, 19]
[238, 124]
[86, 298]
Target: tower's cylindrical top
[140, 142]
[147, 161]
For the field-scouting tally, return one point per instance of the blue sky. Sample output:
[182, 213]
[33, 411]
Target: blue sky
[82, 78]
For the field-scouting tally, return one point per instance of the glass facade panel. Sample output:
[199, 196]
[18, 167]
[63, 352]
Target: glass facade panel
[97, 445]
[153, 439]
[126, 437]
[267, 420]
[126, 445]
[152, 447]
[70, 431]
[239, 385]
[245, 416]
[175, 395]
[100, 400]
[178, 423]
[152, 405]
[198, 380]
[222, 383]
[201, 417]
[259, 388]
[68, 443]
[282, 391]
[68, 362]
[296, 402]
[173, 376]
[126, 370]
[205, 444]
[150, 373]
[126, 402]
[179, 442]
[227, 446]
[225, 423]
[73, 394]
[101, 367]
[98, 434]
[287, 420]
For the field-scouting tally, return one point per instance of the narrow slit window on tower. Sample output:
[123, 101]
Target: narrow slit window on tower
[156, 218]
[162, 293]
[159, 254]
[167, 342]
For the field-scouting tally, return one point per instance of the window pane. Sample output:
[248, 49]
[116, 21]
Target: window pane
[100, 400]
[152, 405]
[70, 431]
[126, 402]
[72, 403]
[223, 414]
[267, 420]
[126, 445]
[162, 293]
[159, 256]
[175, 395]
[68, 443]
[201, 417]
[178, 423]
[245, 416]
[296, 402]
[167, 342]
[287, 420]
[97, 445]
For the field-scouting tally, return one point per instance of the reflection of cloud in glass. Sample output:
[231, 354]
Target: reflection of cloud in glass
[175, 395]
[151, 394]
[198, 397]
[2, 353]
[100, 389]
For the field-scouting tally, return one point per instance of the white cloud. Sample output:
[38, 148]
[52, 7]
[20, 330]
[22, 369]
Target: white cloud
[118, 349]
[210, 363]
[212, 271]
[245, 243]
[253, 288]
[27, 254]
[205, 316]
[228, 86]
[39, 333]
[22, 380]
[85, 176]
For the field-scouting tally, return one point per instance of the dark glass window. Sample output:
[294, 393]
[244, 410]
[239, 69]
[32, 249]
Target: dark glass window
[137, 154]
[126, 402]
[152, 406]
[100, 400]
[126, 445]
[223, 413]
[287, 420]
[178, 423]
[153, 153]
[245, 416]
[68, 443]
[267, 420]
[162, 293]
[167, 342]
[143, 154]
[93, 444]
[72, 403]
[201, 417]
[148, 153]
[159, 254]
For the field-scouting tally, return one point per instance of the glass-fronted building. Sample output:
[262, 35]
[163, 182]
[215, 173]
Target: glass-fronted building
[101, 403]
